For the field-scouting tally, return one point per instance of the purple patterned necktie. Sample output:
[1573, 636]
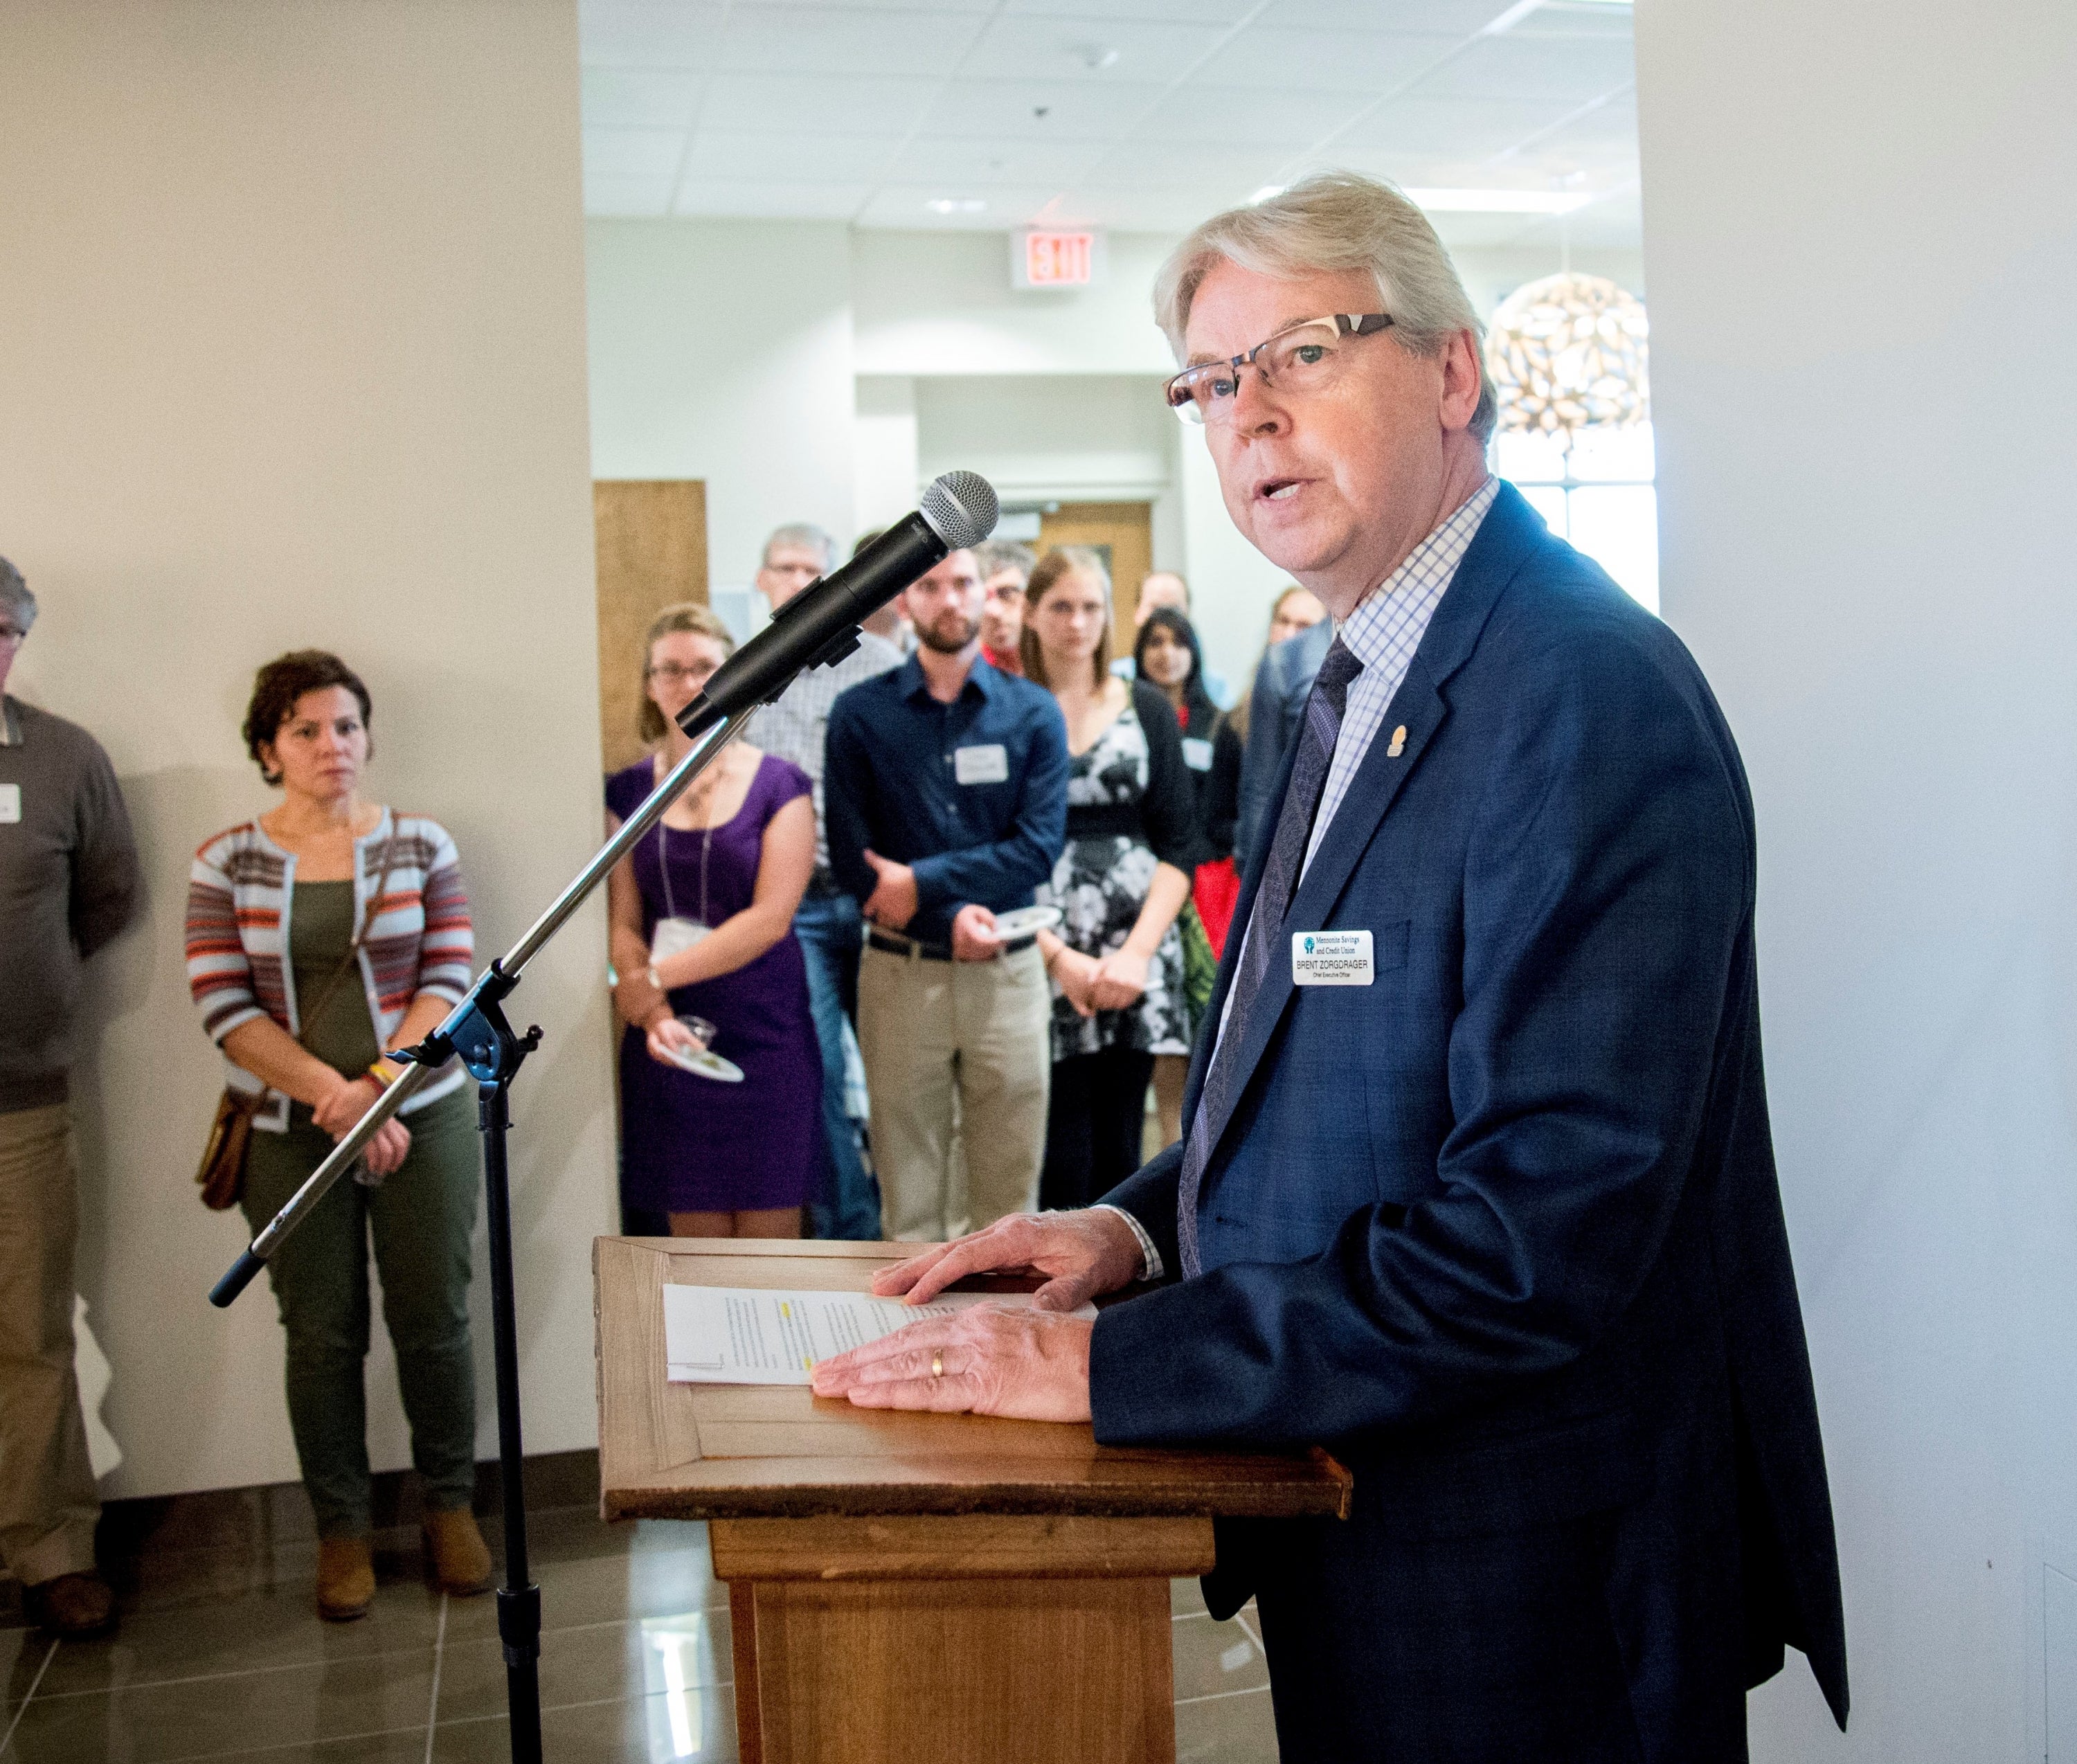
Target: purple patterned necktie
[1272, 901]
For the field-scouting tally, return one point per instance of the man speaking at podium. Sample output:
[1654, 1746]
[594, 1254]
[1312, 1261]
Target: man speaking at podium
[1477, 1190]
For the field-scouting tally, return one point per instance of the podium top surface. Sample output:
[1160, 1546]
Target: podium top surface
[715, 1451]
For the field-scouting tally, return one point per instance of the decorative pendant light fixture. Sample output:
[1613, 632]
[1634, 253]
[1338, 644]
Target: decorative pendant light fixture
[1566, 353]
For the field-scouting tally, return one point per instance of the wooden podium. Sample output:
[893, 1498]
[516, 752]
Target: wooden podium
[915, 1587]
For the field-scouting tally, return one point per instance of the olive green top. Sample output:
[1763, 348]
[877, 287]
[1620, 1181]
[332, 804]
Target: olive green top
[321, 927]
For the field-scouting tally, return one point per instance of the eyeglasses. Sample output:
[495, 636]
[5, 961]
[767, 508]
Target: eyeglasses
[672, 674]
[1303, 357]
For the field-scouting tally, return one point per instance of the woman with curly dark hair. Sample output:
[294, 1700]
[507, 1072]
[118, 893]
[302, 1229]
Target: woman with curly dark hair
[320, 935]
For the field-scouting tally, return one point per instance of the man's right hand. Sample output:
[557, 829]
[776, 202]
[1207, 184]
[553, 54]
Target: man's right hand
[1085, 1253]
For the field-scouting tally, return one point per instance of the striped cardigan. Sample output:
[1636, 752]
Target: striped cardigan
[239, 892]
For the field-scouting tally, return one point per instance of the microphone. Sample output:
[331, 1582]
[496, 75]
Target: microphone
[819, 625]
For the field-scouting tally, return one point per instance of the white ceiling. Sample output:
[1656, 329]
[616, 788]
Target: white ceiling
[1149, 118]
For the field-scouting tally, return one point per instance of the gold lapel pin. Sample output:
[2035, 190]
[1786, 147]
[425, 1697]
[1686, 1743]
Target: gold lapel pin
[1398, 742]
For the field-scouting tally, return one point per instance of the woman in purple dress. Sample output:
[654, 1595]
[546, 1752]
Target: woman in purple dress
[701, 914]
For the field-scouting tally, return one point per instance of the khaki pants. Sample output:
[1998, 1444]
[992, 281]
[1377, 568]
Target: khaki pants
[47, 1501]
[942, 1037]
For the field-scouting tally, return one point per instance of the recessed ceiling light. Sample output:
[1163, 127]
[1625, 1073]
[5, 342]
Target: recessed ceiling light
[956, 205]
[1265, 194]
[1492, 202]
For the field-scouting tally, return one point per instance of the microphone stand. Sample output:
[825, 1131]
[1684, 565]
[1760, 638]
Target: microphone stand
[477, 1032]
[817, 626]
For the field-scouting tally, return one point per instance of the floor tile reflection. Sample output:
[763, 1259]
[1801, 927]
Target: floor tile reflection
[1238, 1729]
[696, 1725]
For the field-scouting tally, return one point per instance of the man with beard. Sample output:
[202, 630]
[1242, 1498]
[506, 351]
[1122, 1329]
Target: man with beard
[946, 795]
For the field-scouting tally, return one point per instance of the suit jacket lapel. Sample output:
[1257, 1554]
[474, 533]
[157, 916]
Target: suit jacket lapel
[1509, 532]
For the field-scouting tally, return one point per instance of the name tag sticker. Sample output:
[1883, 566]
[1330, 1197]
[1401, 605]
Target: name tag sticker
[1196, 755]
[10, 803]
[981, 765]
[1332, 959]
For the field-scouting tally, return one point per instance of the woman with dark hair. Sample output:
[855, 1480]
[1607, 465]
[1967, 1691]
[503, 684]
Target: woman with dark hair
[319, 935]
[1168, 655]
[701, 926]
[1117, 960]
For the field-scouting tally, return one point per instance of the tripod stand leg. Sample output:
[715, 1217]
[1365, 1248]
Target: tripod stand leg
[518, 1599]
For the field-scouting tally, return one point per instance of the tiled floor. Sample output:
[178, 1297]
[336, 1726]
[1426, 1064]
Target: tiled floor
[220, 1655]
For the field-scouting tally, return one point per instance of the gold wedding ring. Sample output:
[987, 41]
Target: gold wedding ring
[937, 1365]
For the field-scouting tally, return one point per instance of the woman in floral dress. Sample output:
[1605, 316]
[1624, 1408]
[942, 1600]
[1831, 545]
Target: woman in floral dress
[1116, 959]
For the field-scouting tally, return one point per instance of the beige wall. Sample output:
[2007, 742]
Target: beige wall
[292, 352]
[1863, 237]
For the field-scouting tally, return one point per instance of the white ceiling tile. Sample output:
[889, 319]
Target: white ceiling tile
[1471, 128]
[909, 206]
[1156, 165]
[627, 197]
[815, 104]
[939, 159]
[1442, 18]
[634, 152]
[1154, 211]
[746, 199]
[1171, 11]
[648, 33]
[717, 157]
[1370, 61]
[1039, 109]
[1218, 115]
[833, 40]
[1070, 49]
[641, 97]
[978, 6]
[1556, 19]
[1529, 67]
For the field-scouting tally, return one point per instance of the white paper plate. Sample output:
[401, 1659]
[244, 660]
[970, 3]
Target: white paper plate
[1026, 920]
[707, 1064]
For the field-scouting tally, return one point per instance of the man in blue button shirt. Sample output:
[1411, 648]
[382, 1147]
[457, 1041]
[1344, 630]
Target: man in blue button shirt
[945, 794]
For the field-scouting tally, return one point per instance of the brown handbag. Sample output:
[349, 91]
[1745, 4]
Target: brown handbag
[222, 1176]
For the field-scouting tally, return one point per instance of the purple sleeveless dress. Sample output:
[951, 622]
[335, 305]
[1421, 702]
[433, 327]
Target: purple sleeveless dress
[691, 1145]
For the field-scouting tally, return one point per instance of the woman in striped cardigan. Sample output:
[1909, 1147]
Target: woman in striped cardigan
[305, 1016]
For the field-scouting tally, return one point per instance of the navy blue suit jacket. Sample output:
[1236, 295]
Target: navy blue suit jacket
[1501, 1229]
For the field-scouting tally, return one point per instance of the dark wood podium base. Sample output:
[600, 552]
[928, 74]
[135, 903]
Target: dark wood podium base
[1012, 1639]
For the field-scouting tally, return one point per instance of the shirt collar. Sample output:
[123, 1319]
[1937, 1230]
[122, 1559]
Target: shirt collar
[10, 725]
[980, 678]
[1430, 566]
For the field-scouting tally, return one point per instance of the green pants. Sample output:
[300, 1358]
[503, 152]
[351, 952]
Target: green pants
[419, 1220]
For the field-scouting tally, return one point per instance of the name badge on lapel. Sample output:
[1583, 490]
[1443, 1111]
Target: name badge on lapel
[10, 803]
[1197, 753]
[1332, 959]
[988, 764]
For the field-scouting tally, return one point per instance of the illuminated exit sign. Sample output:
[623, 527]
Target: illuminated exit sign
[1047, 257]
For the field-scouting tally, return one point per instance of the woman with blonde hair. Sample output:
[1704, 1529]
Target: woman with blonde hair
[1117, 960]
[701, 916]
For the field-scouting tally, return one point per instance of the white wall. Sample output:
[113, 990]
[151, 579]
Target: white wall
[722, 350]
[942, 303]
[861, 364]
[1862, 239]
[291, 352]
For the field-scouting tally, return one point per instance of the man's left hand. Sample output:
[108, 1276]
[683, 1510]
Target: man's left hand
[892, 902]
[974, 936]
[992, 1359]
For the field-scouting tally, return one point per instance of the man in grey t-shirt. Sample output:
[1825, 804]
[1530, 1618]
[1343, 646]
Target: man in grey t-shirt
[68, 885]
[828, 925]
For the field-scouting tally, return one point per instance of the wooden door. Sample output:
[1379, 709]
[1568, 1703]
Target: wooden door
[652, 536]
[1124, 533]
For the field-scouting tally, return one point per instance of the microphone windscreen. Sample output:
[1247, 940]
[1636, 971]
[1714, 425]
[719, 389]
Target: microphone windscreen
[961, 508]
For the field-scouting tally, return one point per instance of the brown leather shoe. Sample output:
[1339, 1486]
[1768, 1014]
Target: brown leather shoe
[459, 1557]
[346, 1579]
[73, 1606]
